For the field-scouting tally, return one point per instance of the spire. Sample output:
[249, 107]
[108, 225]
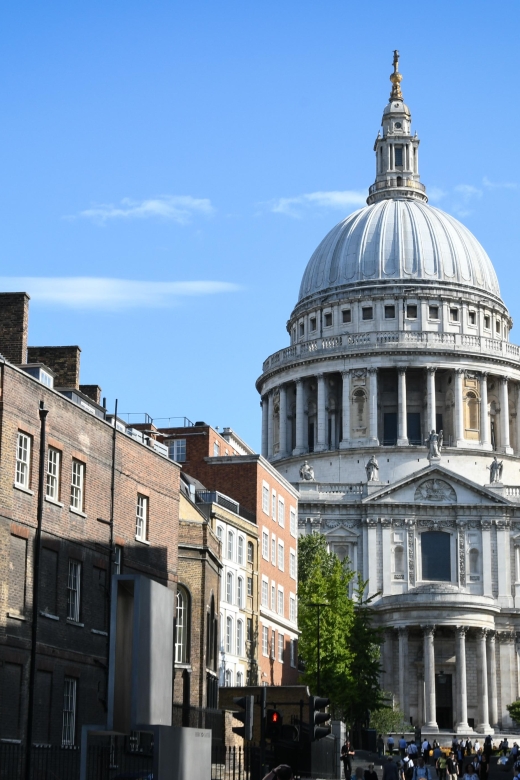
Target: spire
[397, 161]
[396, 79]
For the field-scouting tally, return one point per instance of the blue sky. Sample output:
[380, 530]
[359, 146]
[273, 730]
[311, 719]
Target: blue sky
[160, 163]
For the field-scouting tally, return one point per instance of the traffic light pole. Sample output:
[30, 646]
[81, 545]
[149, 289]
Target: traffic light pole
[263, 710]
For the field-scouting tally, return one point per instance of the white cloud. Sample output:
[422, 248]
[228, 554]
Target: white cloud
[468, 191]
[173, 208]
[495, 185]
[109, 294]
[435, 194]
[295, 207]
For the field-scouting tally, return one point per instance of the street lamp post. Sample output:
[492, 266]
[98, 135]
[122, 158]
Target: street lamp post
[318, 606]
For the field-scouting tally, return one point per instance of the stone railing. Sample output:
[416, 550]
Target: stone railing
[361, 342]
[333, 490]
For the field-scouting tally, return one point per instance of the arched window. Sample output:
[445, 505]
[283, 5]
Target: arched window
[240, 679]
[399, 560]
[241, 550]
[228, 677]
[240, 636]
[219, 533]
[229, 587]
[473, 411]
[229, 635]
[230, 545]
[240, 592]
[474, 562]
[250, 552]
[436, 556]
[182, 622]
[359, 402]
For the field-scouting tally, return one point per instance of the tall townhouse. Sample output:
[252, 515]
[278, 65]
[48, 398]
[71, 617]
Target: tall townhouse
[109, 502]
[224, 464]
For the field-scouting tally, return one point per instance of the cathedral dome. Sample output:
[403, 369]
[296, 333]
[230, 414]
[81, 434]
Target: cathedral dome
[398, 239]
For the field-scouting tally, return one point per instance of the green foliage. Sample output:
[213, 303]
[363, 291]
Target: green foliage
[514, 710]
[386, 720]
[350, 644]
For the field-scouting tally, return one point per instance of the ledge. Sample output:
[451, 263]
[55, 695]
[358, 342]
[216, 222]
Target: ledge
[23, 489]
[54, 502]
[14, 616]
[77, 512]
[75, 623]
[143, 541]
[98, 633]
[48, 615]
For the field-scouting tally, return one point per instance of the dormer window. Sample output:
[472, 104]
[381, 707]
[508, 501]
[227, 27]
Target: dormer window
[398, 156]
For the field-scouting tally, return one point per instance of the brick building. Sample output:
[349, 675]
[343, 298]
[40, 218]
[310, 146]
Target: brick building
[222, 462]
[84, 451]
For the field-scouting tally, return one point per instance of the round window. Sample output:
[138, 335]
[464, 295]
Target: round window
[398, 125]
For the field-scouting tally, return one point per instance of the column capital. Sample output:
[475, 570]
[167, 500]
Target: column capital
[431, 369]
[298, 381]
[402, 369]
[461, 631]
[402, 631]
[481, 633]
[345, 373]
[484, 375]
[505, 379]
[505, 636]
[320, 376]
[460, 371]
[491, 635]
[429, 630]
[372, 370]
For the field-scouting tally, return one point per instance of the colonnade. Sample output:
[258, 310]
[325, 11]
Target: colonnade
[371, 390]
[486, 672]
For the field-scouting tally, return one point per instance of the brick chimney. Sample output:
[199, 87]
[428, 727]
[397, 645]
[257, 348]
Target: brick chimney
[64, 361]
[14, 324]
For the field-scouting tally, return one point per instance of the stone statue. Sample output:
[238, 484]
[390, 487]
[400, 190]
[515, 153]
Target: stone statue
[372, 469]
[495, 470]
[306, 472]
[432, 442]
[441, 441]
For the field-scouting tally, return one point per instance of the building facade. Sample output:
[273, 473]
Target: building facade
[395, 410]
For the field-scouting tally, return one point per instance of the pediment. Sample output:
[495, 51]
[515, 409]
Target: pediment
[435, 485]
[338, 531]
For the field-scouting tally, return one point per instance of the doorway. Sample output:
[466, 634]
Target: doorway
[444, 700]
[390, 428]
[413, 423]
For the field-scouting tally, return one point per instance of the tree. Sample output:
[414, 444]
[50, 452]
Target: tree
[324, 579]
[386, 719]
[514, 710]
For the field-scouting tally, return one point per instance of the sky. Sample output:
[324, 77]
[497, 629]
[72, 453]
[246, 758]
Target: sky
[168, 168]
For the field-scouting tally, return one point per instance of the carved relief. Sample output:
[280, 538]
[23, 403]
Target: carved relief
[462, 558]
[435, 490]
[411, 556]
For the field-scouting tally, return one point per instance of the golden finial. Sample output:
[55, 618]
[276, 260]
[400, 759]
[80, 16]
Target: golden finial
[396, 79]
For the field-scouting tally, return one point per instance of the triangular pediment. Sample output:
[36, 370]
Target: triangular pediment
[435, 485]
[338, 531]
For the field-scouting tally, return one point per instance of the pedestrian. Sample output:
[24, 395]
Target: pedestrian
[346, 757]
[452, 767]
[390, 744]
[359, 773]
[402, 746]
[459, 755]
[370, 773]
[468, 747]
[505, 747]
[408, 768]
[390, 770]
[440, 764]
[425, 747]
[380, 744]
[437, 752]
[470, 773]
[413, 750]
[421, 771]
[282, 772]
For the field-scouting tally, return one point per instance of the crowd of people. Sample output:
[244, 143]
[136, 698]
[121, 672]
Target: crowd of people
[420, 760]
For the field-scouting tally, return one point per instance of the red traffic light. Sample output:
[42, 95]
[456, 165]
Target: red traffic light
[275, 718]
[274, 722]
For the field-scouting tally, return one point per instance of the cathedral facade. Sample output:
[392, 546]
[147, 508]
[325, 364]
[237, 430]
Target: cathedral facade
[395, 410]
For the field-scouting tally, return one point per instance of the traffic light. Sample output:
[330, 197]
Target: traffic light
[247, 703]
[316, 718]
[274, 725]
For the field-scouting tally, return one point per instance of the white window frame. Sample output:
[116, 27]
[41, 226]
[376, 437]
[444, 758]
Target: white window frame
[281, 555]
[281, 647]
[240, 592]
[229, 587]
[177, 450]
[265, 641]
[273, 597]
[265, 544]
[273, 505]
[68, 730]
[240, 637]
[229, 634]
[23, 460]
[281, 512]
[292, 608]
[74, 590]
[273, 644]
[265, 592]
[265, 498]
[230, 545]
[249, 586]
[52, 487]
[250, 552]
[240, 550]
[228, 677]
[292, 563]
[293, 653]
[293, 522]
[220, 533]
[273, 549]
[216, 449]
[181, 627]
[77, 485]
[280, 602]
[240, 679]
[141, 518]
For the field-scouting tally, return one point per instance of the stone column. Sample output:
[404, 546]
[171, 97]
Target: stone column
[482, 686]
[505, 598]
[485, 436]
[283, 421]
[320, 414]
[404, 671]
[372, 373]
[402, 422]
[518, 419]
[300, 447]
[504, 417]
[270, 425]
[459, 408]
[492, 679]
[429, 679]
[486, 558]
[345, 434]
[462, 694]
[431, 401]
[264, 403]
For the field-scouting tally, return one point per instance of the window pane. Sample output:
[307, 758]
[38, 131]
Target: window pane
[23, 451]
[436, 563]
[69, 711]
[76, 487]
